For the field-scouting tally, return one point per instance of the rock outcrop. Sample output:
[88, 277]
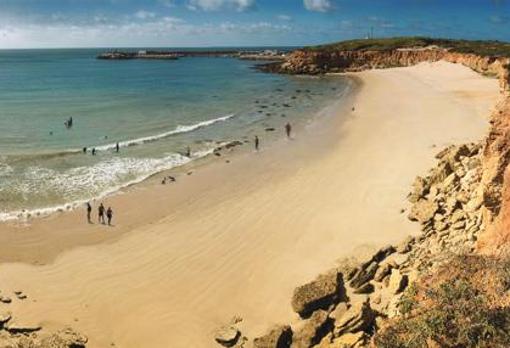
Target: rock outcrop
[323, 61]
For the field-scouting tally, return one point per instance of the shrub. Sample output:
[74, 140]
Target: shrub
[465, 304]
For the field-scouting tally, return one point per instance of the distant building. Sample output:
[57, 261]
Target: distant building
[142, 53]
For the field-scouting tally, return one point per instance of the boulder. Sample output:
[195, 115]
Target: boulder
[383, 253]
[66, 338]
[348, 267]
[364, 275]
[366, 288]
[383, 271]
[359, 317]
[339, 311]
[312, 331]
[405, 245]
[16, 327]
[227, 336]
[320, 293]
[440, 173]
[279, 336]
[423, 211]
[420, 188]
[398, 282]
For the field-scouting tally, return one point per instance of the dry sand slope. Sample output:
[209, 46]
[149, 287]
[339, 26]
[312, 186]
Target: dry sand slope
[263, 224]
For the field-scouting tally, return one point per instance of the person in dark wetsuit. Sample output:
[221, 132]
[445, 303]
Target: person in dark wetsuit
[94, 151]
[288, 129]
[257, 142]
[109, 215]
[188, 152]
[89, 210]
[117, 147]
[100, 214]
[84, 149]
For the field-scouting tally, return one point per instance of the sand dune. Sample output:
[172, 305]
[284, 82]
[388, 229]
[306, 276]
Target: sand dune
[235, 239]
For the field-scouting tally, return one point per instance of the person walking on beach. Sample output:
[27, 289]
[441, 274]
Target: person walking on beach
[89, 210]
[288, 129]
[256, 143]
[100, 212]
[117, 147]
[109, 215]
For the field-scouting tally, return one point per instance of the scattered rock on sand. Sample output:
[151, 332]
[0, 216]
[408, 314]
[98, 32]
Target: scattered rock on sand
[4, 318]
[5, 299]
[227, 336]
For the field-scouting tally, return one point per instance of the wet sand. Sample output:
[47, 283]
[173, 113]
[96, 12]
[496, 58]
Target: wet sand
[236, 238]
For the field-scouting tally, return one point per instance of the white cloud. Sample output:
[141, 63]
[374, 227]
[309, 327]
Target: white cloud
[124, 32]
[213, 5]
[318, 5]
[142, 14]
[283, 17]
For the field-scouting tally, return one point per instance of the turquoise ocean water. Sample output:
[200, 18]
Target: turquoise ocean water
[153, 109]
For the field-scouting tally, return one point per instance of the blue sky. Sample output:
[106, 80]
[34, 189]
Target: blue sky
[179, 23]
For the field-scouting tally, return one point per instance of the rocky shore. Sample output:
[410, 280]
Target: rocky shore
[348, 305]
[462, 207]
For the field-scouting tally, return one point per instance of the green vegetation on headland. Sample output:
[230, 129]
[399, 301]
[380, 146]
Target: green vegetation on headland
[482, 48]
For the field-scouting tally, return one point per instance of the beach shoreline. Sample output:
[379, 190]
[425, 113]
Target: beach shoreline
[241, 235]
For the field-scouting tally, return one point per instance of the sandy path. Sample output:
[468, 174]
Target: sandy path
[248, 232]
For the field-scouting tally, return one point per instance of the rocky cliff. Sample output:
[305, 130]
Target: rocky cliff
[319, 62]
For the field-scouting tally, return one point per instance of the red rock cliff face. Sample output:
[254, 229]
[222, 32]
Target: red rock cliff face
[317, 62]
[494, 188]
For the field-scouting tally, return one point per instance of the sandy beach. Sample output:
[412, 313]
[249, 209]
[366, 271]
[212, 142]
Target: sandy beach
[236, 238]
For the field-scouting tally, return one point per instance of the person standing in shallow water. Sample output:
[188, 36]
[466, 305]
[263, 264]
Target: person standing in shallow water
[256, 143]
[109, 215]
[117, 147]
[100, 213]
[288, 129]
[89, 211]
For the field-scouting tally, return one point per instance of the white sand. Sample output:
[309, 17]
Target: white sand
[245, 234]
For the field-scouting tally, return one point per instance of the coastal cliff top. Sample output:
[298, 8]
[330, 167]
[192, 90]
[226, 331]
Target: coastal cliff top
[482, 48]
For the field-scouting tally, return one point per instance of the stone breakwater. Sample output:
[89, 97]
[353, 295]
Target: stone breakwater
[320, 62]
[346, 306]
[15, 332]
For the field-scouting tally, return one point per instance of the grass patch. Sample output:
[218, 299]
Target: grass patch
[465, 304]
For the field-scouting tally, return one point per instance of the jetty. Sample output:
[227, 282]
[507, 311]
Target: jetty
[270, 55]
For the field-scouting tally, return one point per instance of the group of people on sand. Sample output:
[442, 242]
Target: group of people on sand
[103, 216]
[288, 131]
